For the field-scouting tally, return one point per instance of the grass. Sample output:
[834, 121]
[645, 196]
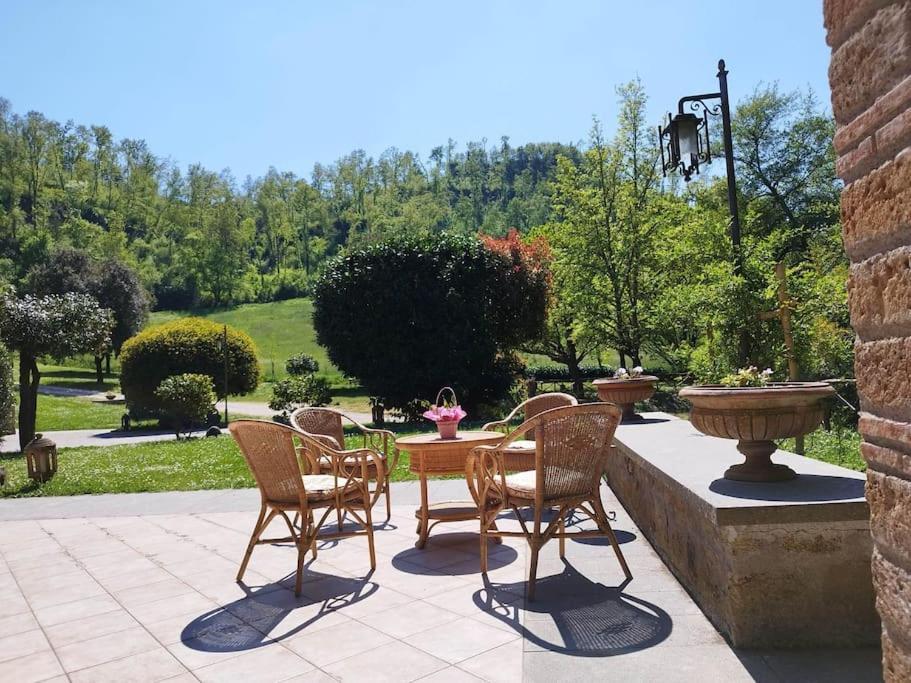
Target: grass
[65, 412]
[840, 447]
[196, 464]
[280, 330]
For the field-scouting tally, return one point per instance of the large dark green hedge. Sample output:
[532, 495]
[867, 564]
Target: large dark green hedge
[188, 345]
[412, 314]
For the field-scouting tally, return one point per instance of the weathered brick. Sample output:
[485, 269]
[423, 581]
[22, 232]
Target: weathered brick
[860, 160]
[894, 136]
[883, 379]
[879, 290]
[876, 210]
[883, 110]
[893, 598]
[886, 460]
[896, 661]
[884, 432]
[889, 498]
[841, 17]
[871, 62]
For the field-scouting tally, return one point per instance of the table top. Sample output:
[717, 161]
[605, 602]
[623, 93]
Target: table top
[467, 439]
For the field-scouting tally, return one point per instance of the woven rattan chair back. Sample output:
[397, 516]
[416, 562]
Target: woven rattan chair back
[321, 421]
[572, 447]
[538, 404]
[269, 450]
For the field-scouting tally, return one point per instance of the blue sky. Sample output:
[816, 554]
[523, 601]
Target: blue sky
[251, 84]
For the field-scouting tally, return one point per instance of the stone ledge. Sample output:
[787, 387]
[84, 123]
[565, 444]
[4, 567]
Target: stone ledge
[784, 564]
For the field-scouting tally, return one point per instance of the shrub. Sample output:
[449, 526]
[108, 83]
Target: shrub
[186, 400]
[414, 313]
[289, 393]
[301, 364]
[188, 345]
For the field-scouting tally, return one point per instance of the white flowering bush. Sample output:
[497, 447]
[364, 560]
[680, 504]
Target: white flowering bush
[623, 373]
[748, 377]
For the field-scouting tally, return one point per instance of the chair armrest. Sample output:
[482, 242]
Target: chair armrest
[492, 426]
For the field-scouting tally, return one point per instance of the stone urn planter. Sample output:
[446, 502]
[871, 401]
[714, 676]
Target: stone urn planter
[755, 416]
[626, 392]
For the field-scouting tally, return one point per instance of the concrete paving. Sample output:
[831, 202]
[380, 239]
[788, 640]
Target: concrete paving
[141, 587]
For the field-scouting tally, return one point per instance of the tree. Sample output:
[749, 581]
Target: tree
[408, 315]
[113, 284]
[59, 326]
[608, 216]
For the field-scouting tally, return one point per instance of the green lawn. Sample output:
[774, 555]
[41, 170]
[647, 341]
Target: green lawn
[65, 412]
[280, 330]
[840, 447]
[200, 463]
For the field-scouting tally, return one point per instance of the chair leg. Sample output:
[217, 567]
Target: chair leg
[257, 531]
[561, 530]
[368, 515]
[312, 522]
[483, 519]
[535, 549]
[602, 520]
[388, 502]
[301, 555]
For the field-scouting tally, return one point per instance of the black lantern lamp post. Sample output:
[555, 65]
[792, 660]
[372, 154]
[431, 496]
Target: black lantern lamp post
[685, 145]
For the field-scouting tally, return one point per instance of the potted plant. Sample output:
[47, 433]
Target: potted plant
[625, 388]
[750, 407]
[446, 413]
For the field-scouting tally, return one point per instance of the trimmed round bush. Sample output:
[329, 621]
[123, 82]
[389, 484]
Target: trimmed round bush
[301, 364]
[411, 314]
[188, 345]
[186, 400]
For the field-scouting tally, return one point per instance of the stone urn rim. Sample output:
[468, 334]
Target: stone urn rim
[748, 398]
[621, 380]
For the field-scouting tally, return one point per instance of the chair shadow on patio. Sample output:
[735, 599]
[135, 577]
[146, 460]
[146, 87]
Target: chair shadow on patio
[251, 621]
[587, 619]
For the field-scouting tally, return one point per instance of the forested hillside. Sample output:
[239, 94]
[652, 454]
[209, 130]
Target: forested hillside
[198, 236]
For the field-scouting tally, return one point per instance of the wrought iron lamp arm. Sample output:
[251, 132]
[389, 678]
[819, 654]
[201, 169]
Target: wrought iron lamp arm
[714, 110]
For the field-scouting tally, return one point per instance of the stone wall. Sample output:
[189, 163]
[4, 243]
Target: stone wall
[870, 78]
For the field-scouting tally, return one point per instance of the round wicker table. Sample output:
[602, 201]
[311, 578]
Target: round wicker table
[431, 455]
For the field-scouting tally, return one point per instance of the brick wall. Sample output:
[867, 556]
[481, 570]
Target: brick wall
[870, 78]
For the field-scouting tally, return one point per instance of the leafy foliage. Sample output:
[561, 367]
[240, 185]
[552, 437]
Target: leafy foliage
[408, 315]
[295, 391]
[57, 325]
[111, 282]
[186, 400]
[301, 364]
[187, 345]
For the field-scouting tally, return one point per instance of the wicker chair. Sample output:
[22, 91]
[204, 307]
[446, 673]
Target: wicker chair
[270, 453]
[325, 425]
[529, 408]
[571, 450]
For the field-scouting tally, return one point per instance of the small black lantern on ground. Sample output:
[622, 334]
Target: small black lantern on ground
[41, 458]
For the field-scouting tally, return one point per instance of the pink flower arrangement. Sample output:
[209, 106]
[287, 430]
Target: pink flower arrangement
[445, 413]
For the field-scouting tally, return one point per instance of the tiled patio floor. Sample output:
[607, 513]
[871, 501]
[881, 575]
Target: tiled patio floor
[152, 597]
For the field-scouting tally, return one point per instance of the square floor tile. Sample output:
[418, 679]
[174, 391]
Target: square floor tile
[272, 663]
[462, 639]
[153, 665]
[393, 662]
[405, 620]
[88, 653]
[330, 645]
